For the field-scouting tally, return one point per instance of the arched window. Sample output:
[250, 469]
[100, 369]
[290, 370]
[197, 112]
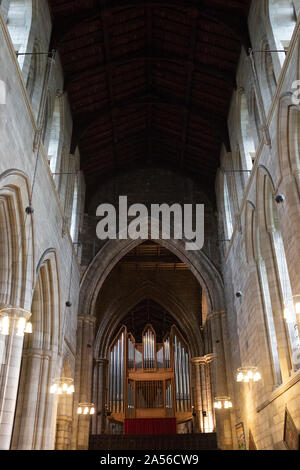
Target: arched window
[268, 313]
[19, 24]
[227, 209]
[37, 65]
[54, 139]
[284, 279]
[283, 20]
[247, 137]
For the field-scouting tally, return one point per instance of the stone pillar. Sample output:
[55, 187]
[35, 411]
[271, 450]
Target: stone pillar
[83, 380]
[63, 432]
[203, 394]
[9, 380]
[33, 429]
[223, 417]
[99, 396]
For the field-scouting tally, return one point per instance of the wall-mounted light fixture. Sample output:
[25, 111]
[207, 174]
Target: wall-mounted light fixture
[15, 320]
[86, 409]
[247, 374]
[62, 386]
[222, 403]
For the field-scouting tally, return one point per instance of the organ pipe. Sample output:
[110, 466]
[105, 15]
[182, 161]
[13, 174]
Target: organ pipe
[171, 356]
[149, 349]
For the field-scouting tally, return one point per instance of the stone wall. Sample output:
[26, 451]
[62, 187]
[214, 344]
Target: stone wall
[274, 127]
[25, 178]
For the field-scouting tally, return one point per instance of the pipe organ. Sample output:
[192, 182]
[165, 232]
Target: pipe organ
[149, 379]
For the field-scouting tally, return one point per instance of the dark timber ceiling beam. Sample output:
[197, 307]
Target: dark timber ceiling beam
[83, 122]
[149, 81]
[188, 89]
[234, 24]
[105, 20]
[211, 71]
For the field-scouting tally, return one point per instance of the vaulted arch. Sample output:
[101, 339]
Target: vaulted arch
[160, 295]
[205, 272]
[16, 284]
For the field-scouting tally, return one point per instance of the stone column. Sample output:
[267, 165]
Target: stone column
[83, 380]
[63, 432]
[99, 396]
[223, 417]
[9, 380]
[33, 429]
[203, 394]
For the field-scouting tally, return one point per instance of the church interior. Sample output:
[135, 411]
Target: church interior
[134, 343]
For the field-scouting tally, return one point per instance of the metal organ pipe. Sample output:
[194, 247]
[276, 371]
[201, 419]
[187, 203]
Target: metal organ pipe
[117, 375]
[184, 394]
[187, 380]
[173, 393]
[152, 350]
[115, 379]
[122, 372]
[111, 380]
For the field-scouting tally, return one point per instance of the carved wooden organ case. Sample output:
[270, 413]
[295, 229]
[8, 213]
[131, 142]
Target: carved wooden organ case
[149, 379]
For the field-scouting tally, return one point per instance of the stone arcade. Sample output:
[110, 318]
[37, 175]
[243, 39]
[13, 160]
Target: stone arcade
[101, 341]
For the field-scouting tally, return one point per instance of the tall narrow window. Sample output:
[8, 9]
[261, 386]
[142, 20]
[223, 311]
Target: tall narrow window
[286, 289]
[283, 20]
[227, 209]
[285, 284]
[54, 141]
[19, 24]
[74, 218]
[247, 137]
[269, 315]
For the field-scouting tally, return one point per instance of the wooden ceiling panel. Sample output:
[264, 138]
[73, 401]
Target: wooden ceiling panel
[149, 81]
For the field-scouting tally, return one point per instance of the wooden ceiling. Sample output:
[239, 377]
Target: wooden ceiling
[149, 256]
[149, 82]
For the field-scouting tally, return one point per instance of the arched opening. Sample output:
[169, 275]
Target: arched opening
[291, 324]
[268, 310]
[35, 413]
[286, 292]
[19, 20]
[283, 20]
[16, 280]
[148, 272]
